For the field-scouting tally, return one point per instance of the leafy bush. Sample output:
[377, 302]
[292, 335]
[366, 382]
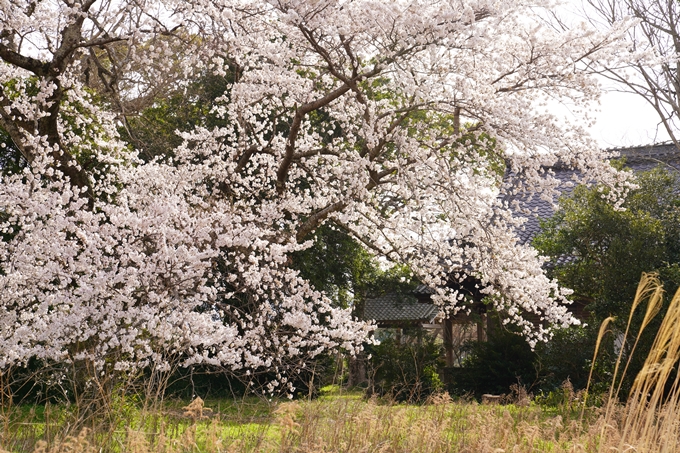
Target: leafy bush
[568, 357]
[494, 366]
[608, 250]
[405, 367]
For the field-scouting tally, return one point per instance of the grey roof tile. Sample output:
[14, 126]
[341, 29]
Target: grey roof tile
[423, 290]
[397, 307]
[639, 158]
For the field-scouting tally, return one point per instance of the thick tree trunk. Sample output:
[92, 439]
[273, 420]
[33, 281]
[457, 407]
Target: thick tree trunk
[357, 371]
[357, 364]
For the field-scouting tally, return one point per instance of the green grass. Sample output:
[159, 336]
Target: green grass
[336, 421]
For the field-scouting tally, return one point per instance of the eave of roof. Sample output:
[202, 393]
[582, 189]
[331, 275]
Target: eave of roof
[397, 307]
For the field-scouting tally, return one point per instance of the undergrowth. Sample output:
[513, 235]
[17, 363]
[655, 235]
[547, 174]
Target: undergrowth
[567, 421]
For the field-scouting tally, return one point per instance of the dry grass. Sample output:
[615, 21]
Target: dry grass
[649, 422]
[342, 423]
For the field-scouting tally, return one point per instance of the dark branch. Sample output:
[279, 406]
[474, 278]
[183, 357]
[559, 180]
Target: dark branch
[300, 113]
[314, 220]
[37, 67]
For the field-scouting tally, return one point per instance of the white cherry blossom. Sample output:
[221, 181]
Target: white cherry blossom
[394, 120]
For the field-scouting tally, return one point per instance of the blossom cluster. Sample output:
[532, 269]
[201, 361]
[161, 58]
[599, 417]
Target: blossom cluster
[394, 120]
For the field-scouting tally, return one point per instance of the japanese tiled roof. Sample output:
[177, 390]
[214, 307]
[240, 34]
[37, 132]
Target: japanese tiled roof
[423, 290]
[639, 158]
[398, 308]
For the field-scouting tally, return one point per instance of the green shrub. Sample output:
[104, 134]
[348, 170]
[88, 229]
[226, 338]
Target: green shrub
[405, 367]
[568, 356]
[493, 366]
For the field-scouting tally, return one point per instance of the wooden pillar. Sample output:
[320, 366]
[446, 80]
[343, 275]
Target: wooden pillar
[491, 320]
[481, 328]
[448, 341]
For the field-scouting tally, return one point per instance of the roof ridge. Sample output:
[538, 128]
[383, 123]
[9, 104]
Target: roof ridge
[642, 151]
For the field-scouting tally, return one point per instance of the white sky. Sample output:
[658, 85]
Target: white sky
[623, 119]
[626, 119]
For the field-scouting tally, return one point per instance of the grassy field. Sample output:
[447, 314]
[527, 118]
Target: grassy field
[336, 422]
[341, 421]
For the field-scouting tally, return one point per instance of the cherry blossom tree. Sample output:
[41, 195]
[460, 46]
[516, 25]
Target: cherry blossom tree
[395, 121]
